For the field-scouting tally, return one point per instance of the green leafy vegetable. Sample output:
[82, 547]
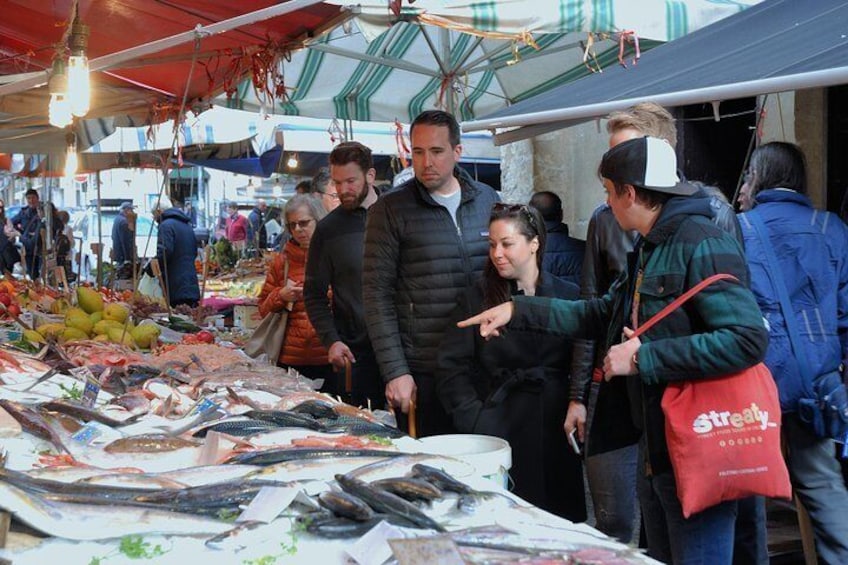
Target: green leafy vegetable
[72, 393]
[285, 549]
[24, 345]
[135, 547]
[381, 440]
[227, 515]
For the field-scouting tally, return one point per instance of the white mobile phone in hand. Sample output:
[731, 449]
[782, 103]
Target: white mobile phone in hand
[572, 440]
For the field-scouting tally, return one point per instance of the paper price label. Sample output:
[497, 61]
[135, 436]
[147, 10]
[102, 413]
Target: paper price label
[92, 385]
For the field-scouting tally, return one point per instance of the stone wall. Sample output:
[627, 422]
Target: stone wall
[564, 162]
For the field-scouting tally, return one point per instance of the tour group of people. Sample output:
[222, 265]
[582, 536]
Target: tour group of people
[22, 238]
[481, 316]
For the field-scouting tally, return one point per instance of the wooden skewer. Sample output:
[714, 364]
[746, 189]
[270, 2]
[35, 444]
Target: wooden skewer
[348, 376]
[411, 419]
[206, 252]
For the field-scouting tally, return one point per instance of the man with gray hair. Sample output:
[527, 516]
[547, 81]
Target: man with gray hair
[176, 251]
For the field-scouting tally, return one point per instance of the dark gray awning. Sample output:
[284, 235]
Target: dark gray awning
[775, 46]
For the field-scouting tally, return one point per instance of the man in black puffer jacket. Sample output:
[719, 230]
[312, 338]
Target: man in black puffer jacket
[424, 244]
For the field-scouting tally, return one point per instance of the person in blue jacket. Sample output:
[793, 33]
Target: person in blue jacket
[123, 238]
[176, 250]
[811, 251]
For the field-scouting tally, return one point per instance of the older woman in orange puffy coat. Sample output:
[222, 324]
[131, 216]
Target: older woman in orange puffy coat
[302, 349]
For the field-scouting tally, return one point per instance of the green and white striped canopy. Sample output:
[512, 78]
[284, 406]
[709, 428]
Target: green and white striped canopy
[471, 57]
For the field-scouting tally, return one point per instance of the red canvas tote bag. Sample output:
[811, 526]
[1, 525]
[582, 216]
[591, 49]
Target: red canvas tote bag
[723, 434]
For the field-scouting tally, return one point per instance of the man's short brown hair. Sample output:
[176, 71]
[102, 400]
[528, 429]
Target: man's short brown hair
[352, 152]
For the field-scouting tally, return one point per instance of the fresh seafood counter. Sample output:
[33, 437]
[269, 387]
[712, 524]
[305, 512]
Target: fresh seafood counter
[114, 453]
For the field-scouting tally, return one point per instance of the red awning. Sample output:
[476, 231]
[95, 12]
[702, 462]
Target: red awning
[150, 86]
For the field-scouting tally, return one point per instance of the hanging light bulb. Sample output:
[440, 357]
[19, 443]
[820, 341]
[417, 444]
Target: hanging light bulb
[292, 162]
[79, 86]
[71, 158]
[59, 111]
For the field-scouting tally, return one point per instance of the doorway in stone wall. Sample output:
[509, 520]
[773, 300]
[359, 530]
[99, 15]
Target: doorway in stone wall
[837, 141]
[711, 151]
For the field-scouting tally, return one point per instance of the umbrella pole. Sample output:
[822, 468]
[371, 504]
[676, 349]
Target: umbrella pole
[99, 235]
[206, 251]
[79, 264]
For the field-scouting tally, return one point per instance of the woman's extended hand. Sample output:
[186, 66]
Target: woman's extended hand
[490, 320]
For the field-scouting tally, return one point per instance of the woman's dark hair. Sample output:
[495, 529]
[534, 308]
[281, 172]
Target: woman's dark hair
[778, 165]
[530, 224]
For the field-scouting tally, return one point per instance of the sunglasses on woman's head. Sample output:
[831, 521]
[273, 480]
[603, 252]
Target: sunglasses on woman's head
[502, 207]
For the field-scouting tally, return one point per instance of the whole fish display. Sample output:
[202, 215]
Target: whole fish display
[384, 501]
[32, 422]
[148, 443]
[272, 456]
[410, 489]
[345, 505]
[81, 412]
[152, 467]
[237, 427]
[285, 419]
[204, 500]
[78, 521]
[207, 499]
[327, 525]
[316, 408]
[361, 427]
[441, 479]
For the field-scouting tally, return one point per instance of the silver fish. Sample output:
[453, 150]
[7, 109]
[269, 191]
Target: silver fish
[387, 502]
[345, 505]
[409, 488]
[441, 479]
[93, 522]
[32, 422]
[148, 443]
[278, 455]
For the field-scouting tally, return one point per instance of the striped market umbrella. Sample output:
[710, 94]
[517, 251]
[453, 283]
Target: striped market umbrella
[395, 59]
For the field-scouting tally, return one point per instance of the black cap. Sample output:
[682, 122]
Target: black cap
[646, 162]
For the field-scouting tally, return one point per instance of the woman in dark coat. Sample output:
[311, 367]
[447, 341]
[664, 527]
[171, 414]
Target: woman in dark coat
[516, 387]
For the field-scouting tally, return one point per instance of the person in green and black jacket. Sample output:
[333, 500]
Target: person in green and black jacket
[719, 332]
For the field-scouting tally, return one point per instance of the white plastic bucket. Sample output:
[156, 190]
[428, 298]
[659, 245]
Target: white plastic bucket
[491, 456]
